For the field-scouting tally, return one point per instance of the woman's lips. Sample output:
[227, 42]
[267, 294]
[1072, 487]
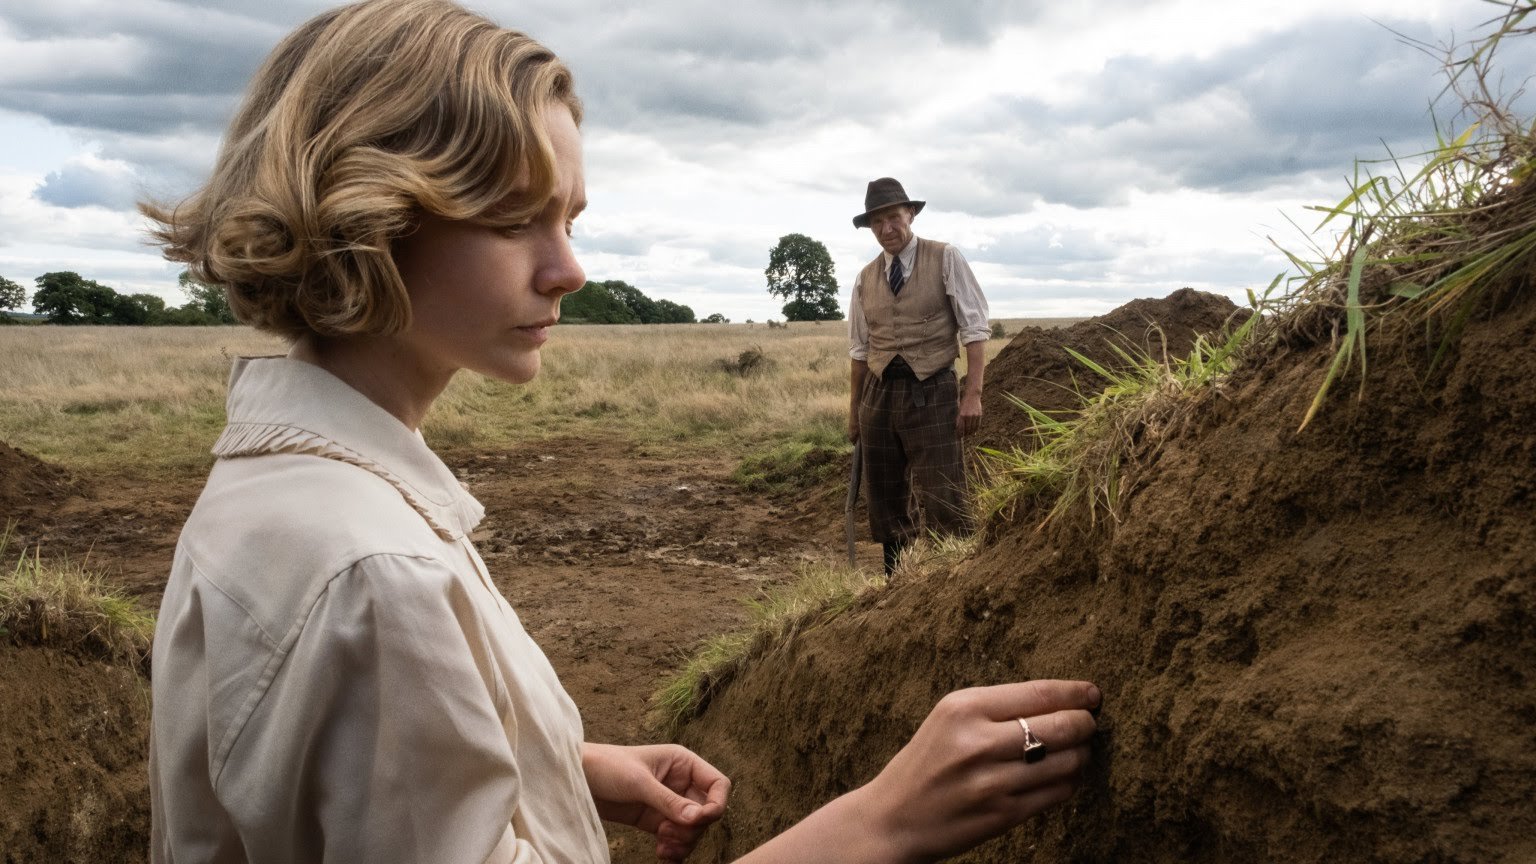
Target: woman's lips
[538, 333]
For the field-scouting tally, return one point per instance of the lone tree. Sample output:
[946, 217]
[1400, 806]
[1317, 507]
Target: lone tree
[800, 270]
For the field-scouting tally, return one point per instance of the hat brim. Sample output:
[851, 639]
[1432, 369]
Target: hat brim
[862, 220]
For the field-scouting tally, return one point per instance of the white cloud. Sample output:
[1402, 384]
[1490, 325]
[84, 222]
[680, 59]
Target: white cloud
[1082, 154]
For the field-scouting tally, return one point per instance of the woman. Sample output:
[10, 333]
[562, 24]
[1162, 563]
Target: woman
[336, 677]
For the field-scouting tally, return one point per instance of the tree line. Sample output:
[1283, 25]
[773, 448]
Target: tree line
[69, 298]
[799, 271]
[618, 302]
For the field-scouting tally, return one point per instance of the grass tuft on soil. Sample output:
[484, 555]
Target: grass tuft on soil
[1423, 245]
[68, 605]
[819, 593]
[1082, 459]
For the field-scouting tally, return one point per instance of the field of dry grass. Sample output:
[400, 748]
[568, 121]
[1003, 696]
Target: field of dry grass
[151, 399]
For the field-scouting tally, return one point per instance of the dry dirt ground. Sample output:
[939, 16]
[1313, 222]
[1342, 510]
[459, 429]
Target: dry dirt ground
[617, 558]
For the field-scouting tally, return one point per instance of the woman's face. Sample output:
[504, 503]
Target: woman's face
[486, 298]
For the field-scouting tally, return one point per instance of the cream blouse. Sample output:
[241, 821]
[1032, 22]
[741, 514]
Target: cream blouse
[335, 677]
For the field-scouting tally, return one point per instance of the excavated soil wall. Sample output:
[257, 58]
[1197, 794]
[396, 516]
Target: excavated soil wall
[1314, 646]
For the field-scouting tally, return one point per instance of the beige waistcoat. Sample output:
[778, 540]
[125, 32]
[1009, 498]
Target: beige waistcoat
[919, 323]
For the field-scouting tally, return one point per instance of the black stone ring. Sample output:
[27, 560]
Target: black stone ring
[1034, 748]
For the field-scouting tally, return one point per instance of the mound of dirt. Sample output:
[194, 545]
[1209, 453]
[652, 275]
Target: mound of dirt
[1315, 646]
[29, 485]
[74, 738]
[1035, 367]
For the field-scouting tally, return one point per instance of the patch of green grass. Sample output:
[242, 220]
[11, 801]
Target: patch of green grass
[67, 605]
[819, 593]
[813, 456]
[1080, 459]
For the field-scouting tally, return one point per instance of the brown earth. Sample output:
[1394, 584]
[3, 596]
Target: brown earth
[72, 753]
[30, 486]
[1214, 641]
[1314, 646]
[619, 560]
[1036, 369]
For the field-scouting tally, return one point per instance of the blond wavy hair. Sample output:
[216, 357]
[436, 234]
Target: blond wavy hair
[361, 120]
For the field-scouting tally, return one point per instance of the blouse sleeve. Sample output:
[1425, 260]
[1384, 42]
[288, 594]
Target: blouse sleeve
[382, 735]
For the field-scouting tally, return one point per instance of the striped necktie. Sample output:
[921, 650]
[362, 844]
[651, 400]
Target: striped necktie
[897, 277]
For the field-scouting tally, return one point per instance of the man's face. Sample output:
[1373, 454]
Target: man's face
[892, 226]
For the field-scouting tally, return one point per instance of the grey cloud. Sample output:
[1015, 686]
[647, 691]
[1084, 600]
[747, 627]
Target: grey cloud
[112, 113]
[166, 66]
[748, 253]
[1049, 248]
[1233, 272]
[614, 243]
[1309, 99]
[83, 185]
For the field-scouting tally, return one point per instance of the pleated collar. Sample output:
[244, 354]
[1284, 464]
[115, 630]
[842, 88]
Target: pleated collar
[279, 405]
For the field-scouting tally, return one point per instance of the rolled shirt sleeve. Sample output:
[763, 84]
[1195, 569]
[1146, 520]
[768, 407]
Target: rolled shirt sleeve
[965, 297]
[858, 327]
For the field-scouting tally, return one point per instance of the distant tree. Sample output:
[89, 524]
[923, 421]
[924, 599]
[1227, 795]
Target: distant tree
[137, 309]
[667, 312]
[800, 271]
[595, 304]
[66, 298]
[643, 307]
[12, 296]
[209, 300]
[716, 318]
[618, 302]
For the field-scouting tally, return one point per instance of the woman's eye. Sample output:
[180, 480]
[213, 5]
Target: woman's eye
[514, 230]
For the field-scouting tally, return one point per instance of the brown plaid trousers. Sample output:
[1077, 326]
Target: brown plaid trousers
[907, 428]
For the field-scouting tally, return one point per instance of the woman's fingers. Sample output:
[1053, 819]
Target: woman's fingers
[1030, 698]
[991, 783]
[1060, 730]
[1026, 804]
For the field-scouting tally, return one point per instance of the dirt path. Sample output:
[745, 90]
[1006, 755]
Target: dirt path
[617, 558]
[618, 561]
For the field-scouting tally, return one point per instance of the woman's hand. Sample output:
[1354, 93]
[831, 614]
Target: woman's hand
[963, 777]
[664, 789]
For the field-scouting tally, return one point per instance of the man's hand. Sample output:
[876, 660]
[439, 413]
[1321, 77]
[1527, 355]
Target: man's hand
[970, 414]
[664, 789]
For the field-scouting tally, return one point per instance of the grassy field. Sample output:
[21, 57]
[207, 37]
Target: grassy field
[131, 400]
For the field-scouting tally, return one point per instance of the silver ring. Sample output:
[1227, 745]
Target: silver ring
[1034, 748]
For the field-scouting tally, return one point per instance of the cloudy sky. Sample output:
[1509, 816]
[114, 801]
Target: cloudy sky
[1080, 154]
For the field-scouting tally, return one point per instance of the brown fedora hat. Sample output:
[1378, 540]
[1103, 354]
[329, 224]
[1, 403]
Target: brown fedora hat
[883, 193]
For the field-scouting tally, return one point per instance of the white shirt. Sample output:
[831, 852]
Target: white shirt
[965, 298]
[335, 677]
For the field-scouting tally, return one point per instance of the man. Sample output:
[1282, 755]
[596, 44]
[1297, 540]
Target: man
[910, 307]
